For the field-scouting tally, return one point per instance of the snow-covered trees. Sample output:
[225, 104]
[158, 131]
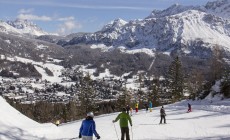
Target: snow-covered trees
[194, 83]
[225, 84]
[123, 99]
[87, 95]
[175, 78]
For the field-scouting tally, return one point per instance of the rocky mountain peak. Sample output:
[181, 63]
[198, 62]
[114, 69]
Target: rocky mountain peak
[219, 7]
[115, 24]
[172, 10]
[22, 24]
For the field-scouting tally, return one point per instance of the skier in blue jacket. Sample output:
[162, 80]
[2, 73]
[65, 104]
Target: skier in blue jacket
[88, 128]
[150, 106]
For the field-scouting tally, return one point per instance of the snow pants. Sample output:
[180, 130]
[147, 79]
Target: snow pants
[163, 117]
[136, 110]
[125, 131]
[87, 137]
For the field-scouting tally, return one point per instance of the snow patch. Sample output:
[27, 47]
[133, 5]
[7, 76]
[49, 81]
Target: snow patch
[147, 51]
[42, 47]
[103, 47]
[8, 41]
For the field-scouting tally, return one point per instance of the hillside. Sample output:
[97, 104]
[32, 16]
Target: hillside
[148, 44]
[169, 57]
[130, 54]
[208, 120]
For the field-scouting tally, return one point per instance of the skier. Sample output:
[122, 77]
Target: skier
[127, 109]
[124, 118]
[136, 107]
[131, 111]
[88, 128]
[150, 106]
[146, 107]
[189, 108]
[57, 122]
[162, 112]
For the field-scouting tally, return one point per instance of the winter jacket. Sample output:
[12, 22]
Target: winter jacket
[189, 106]
[162, 111]
[136, 106]
[88, 128]
[150, 105]
[124, 118]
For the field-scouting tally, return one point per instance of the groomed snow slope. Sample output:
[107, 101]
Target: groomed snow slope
[209, 120]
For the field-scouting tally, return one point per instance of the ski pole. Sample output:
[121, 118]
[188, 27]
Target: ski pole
[155, 119]
[132, 132]
[116, 131]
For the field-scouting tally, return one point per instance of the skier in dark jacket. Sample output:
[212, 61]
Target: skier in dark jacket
[189, 108]
[146, 107]
[127, 109]
[88, 128]
[162, 112]
[124, 118]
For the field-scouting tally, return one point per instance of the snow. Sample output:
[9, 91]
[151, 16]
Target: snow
[103, 47]
[216, 87]
[26, 28]
[195, 28]
[2, 57]
[8, 41]
[147, 51]
[123, 49]
[42, 47]
[206, 121]
[168, 52]
[40, 67]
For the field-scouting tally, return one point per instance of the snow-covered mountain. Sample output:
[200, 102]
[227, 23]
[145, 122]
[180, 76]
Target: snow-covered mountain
[172, 10]
[208, 120]
[20, 26]
[184, 29]
[147, 44]
[220, 8]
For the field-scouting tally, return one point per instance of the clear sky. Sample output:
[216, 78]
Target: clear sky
[67, 16]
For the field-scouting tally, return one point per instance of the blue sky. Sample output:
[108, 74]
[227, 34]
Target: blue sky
[68, 16]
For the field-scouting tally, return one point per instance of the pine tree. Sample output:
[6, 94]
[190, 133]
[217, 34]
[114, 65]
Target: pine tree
[123, 99]
[225, 84]
[87, 95]
[216, 64]
[175, 77]
[153, 96]
[71, 110]
[194, 83]
[140, 80]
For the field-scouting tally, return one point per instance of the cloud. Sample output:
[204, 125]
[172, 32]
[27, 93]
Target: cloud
[66, 18]
[83, 5]
[27, 14]
[68, 27]
[25, 11]
[34, 17]
[67, 24]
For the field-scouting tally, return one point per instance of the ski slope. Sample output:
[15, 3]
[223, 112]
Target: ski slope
[208, 120]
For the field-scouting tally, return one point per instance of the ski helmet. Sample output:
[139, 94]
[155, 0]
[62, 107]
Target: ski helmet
[123, 109]
[90, 114]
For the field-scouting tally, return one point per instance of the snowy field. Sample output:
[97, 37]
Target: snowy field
[208, 120]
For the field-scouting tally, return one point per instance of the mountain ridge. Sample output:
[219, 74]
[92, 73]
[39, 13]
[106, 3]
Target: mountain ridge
[146, 44]
[21, 27]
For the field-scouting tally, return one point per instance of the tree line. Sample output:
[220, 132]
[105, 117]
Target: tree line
[160, 91]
